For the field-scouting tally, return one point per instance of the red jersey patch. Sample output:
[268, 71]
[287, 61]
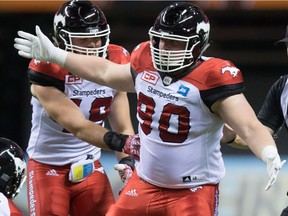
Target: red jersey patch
[150, 78]
[73, 79]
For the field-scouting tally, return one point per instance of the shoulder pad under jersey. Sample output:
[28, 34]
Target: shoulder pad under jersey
[214, 72]
[118, 54]
[141, 58]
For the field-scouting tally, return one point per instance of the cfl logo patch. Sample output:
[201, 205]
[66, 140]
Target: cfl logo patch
[150, 78]
[73, 79]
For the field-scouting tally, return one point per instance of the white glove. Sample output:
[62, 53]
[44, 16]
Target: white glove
[274, 164]
[39, 47]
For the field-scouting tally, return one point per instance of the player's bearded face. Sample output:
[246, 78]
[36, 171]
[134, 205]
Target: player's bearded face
[171, 52]
[87, 46]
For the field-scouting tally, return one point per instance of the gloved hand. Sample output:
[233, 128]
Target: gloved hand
[39, 47]
[125, 169]
[274, 164]
[125, 172]
[132, 146]
[129, 144]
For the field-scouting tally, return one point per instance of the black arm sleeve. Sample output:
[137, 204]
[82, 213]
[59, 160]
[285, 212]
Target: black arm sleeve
[115, 141]
[134, 74]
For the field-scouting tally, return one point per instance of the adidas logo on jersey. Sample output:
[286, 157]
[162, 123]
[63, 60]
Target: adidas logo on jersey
[193, 178]
[186, 179]
[52, 172]
[132, 193]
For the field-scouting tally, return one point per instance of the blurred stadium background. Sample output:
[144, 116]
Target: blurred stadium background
[241, 31]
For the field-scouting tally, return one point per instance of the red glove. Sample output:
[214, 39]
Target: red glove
[132, 146]
[125, 172]
[125, 169]
[123, 143]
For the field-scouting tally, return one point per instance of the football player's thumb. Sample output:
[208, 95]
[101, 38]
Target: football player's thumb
[38, 31]
[119, 167]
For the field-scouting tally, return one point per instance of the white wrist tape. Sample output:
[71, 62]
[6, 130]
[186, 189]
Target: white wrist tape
[59, 56]
[269, 152]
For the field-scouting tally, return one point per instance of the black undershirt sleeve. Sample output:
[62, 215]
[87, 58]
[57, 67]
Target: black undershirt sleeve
[210, 96]
[134, 74]
[45, 80]
[271, 114]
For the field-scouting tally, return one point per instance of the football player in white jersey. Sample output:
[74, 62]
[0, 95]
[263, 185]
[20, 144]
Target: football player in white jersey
[184, 99]
[65, 175]
[12, 176]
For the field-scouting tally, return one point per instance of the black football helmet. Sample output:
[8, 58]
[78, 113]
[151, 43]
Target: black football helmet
[181, 21]
[81, 19]
[12, 168]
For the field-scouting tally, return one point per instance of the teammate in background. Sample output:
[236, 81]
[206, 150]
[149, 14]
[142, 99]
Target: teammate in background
[65, 174]
[184, 99]
[12, 176]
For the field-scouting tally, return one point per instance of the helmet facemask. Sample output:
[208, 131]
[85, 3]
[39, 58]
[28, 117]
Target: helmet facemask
[67, 38]
[168, 61]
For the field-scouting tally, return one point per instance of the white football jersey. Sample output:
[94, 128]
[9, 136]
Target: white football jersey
[49, 142]
[180, 135]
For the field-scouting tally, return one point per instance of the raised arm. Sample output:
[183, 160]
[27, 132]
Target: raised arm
[100, 70]
[92, 68]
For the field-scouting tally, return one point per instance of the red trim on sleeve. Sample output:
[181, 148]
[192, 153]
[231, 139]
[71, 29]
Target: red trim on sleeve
[47, 68]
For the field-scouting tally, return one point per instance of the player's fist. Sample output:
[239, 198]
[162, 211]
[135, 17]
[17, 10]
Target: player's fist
[125, 172]
[125, 169]
[132, 146]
